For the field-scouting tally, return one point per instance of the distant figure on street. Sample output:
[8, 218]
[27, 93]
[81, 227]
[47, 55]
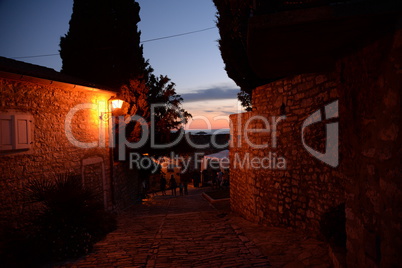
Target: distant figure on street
[173, 185]
[184, 184]
[219, 178]
[205, 178]
[180, 183]
[196, 178]
[163, 185]
[181, 187]
[225, 182]
[214, 178]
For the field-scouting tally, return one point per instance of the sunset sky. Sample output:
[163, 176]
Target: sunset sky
[193, 61]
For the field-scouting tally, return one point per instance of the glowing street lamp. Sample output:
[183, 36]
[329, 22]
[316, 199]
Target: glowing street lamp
[116, 104]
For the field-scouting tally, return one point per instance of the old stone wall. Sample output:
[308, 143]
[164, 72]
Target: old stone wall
[282, 184]
[51, 153]
[126, 185]
[367, 179]
[371, 119]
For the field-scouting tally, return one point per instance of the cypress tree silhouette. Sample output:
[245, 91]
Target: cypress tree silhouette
[103, 43]
[103, 46]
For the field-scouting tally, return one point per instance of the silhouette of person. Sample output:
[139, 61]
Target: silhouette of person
[205, 178]
[163, 185]
[219, 178]
[196, 178]
[184, 181]
[173, 185]
[183, 184]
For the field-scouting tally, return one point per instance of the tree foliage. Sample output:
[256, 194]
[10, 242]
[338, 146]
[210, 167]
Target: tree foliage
[103, 46]
[166, 110]
[103, 42]
[135, 95]
[232, 20]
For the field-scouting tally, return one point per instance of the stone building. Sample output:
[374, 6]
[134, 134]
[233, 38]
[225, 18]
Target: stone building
[321, 149]
[54, 124]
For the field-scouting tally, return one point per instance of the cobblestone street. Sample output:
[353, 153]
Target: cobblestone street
[186, 231]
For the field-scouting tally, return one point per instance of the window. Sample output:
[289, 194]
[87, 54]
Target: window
[15, 132]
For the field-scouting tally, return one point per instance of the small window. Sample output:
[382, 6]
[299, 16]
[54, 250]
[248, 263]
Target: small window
[15, 132]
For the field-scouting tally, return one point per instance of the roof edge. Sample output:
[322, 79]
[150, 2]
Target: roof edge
[44, 81]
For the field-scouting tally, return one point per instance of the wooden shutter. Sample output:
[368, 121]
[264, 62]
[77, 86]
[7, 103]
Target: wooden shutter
[6, 132]
[15, 132]
[22, 126]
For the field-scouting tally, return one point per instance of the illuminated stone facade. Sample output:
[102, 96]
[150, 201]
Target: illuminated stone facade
[62, 140]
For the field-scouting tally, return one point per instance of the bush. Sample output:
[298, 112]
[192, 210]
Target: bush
[68, 221]
[332, 226]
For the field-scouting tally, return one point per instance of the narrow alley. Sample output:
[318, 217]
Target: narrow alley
[186, 231]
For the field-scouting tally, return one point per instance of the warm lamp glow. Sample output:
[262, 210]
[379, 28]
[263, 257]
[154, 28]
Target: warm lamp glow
[116, 103]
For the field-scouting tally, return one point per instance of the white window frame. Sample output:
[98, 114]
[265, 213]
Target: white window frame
[19, 133]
